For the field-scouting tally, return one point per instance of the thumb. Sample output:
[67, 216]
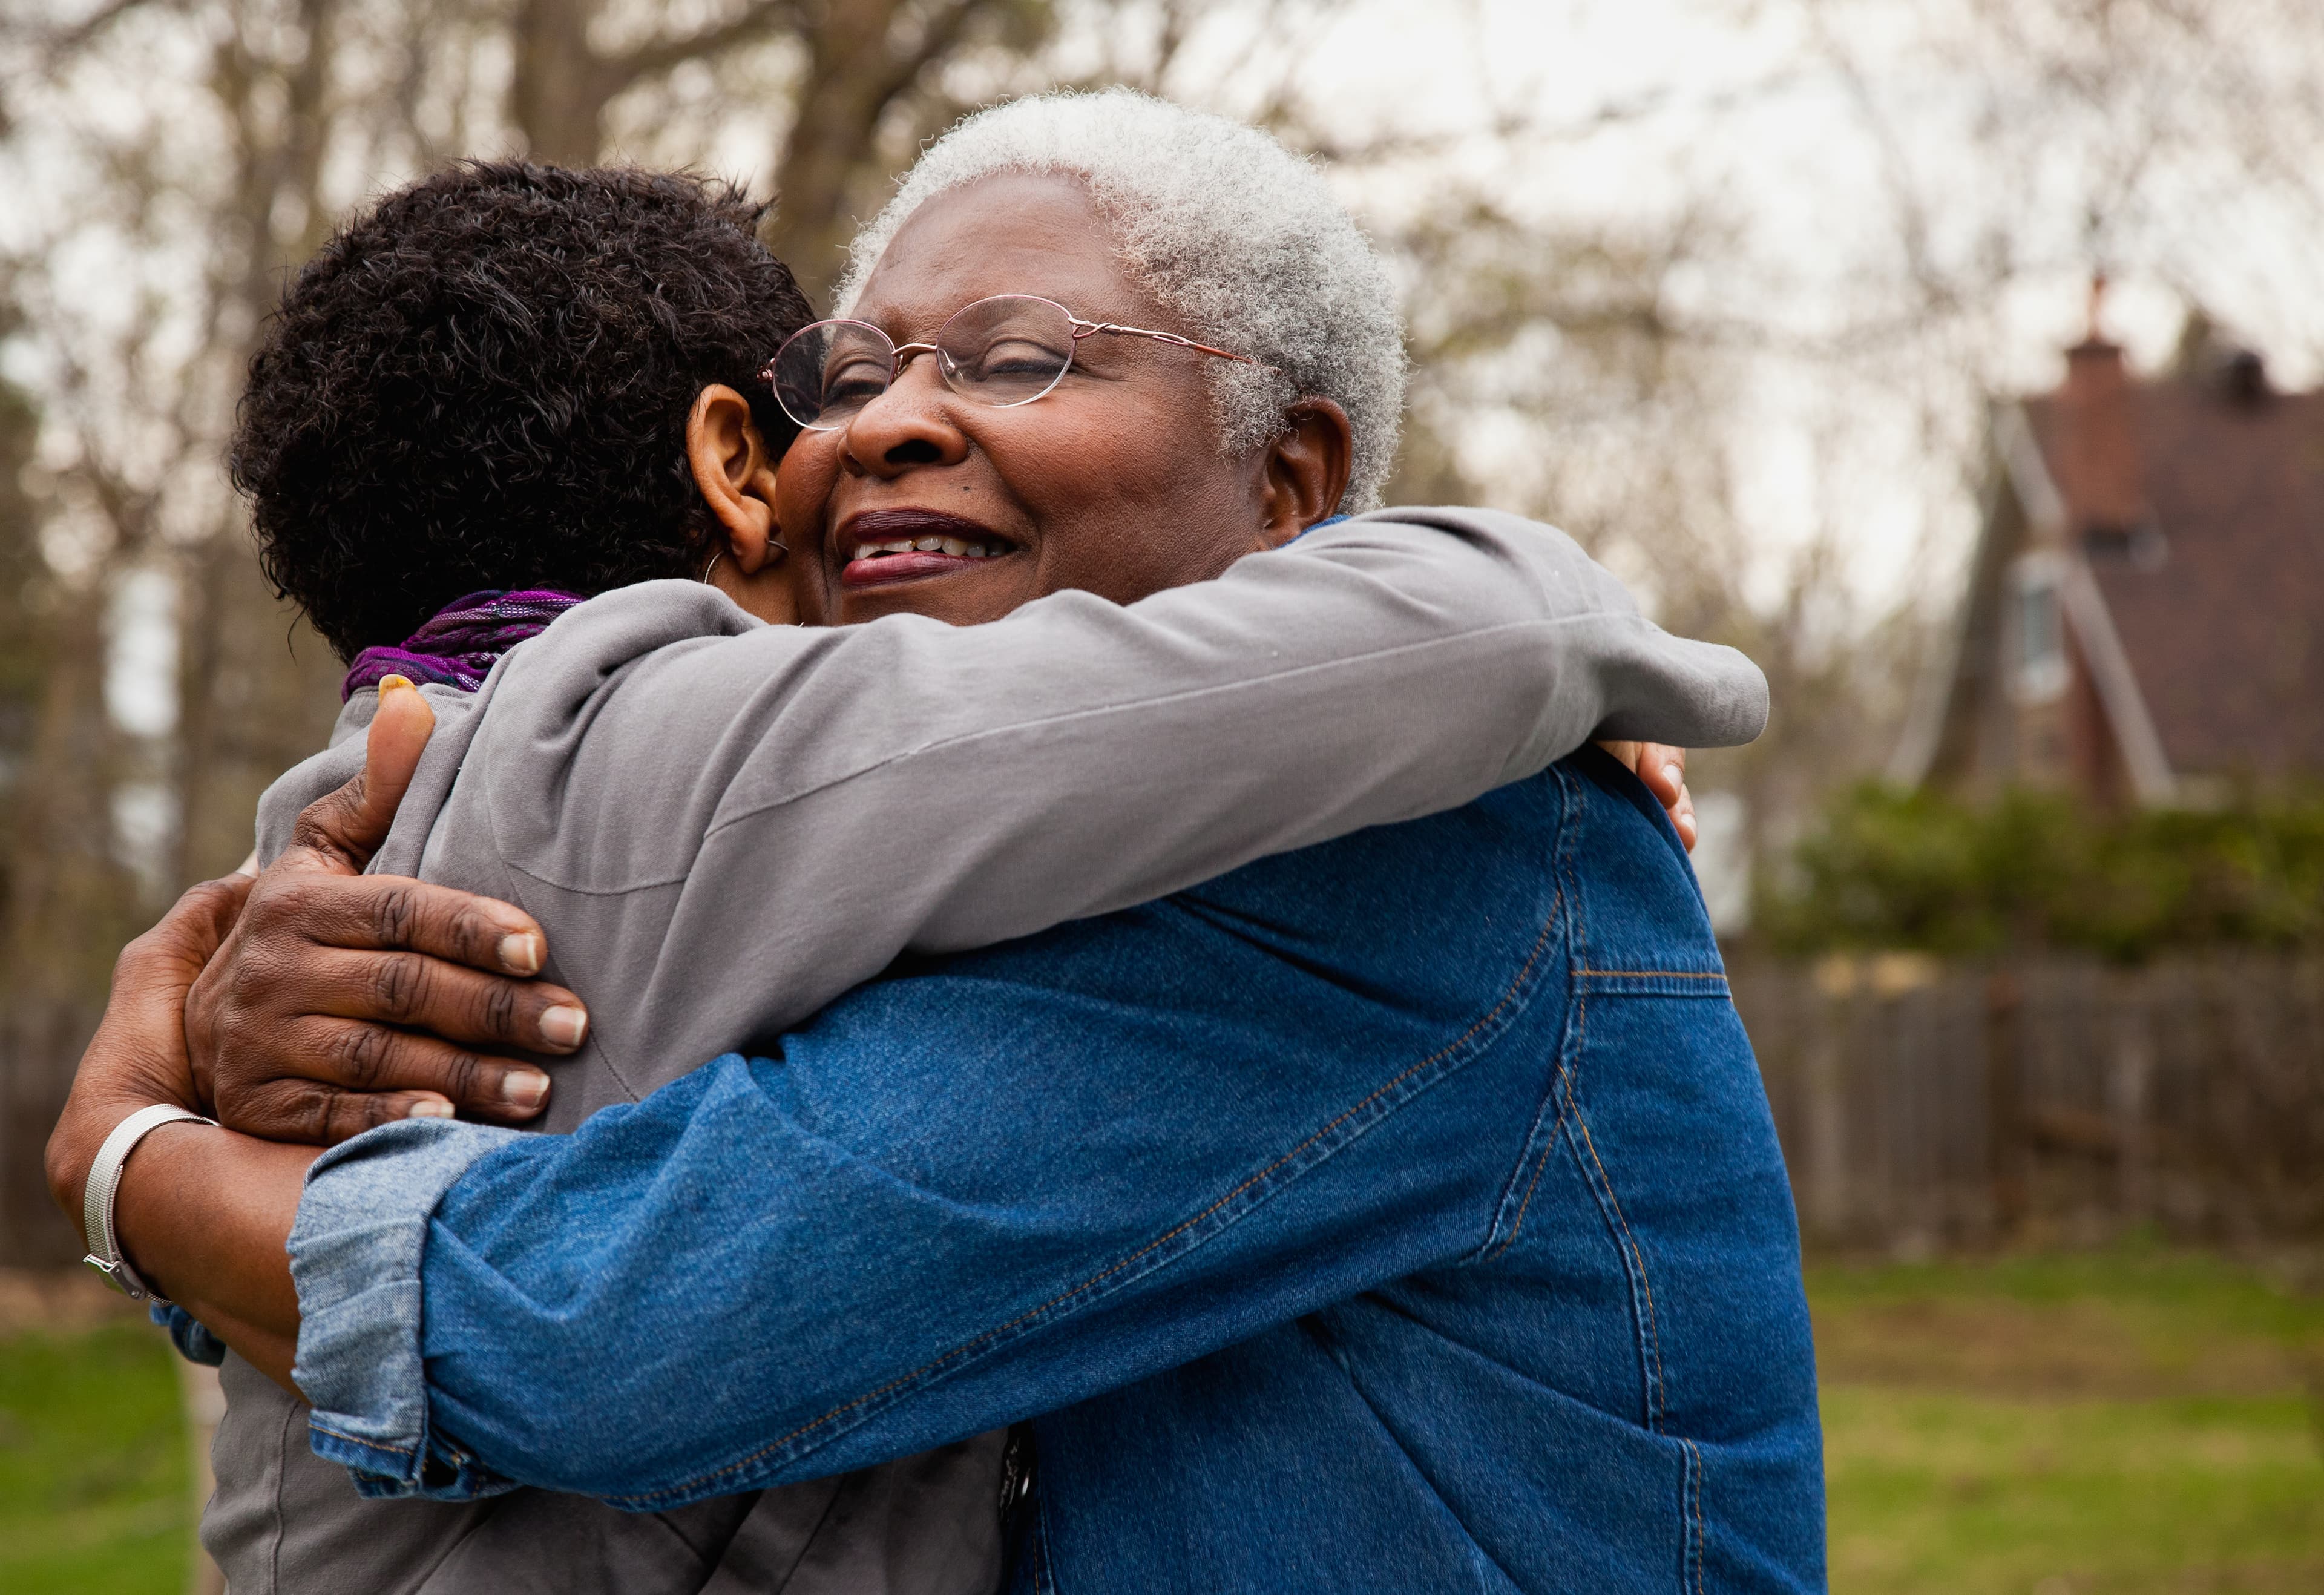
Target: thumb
[346, 827]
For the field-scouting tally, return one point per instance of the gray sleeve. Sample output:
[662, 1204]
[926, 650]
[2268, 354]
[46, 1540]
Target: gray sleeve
[807, 805]
[340, 763]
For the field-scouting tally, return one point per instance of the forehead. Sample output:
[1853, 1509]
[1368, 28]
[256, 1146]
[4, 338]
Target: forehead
[1015, 232]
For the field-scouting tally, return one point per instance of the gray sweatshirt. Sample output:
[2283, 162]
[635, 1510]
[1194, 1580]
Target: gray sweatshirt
[722, 826]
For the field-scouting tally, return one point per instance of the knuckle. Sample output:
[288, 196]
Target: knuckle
[362, 1053]
[501, 1010]
[211, 897]
[316, 823]
[463, 1077]
[262, 1111]
[268, 904]
[478, 939]
[399, 987]
[394, 914]
[307, 1111]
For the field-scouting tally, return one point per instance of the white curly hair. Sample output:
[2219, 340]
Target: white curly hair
[1228, 229]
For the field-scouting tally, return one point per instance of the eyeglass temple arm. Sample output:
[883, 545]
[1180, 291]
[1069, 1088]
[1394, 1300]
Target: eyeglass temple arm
[1082, 329]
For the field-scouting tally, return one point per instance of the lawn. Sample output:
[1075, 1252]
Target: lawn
[2130, 1422]
[95, 1497]
[2110, 1423]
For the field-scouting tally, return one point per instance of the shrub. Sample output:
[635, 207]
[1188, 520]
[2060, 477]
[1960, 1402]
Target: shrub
[1884, 868]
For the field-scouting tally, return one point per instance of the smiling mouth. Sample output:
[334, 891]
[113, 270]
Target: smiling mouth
[883, 545]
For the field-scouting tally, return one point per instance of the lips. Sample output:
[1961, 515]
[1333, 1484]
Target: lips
[880, 547]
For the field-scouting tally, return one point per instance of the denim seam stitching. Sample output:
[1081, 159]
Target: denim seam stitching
[1694, 1455]
[1541, 1166]
[1636, 1263]
[392, 1451]
[1667, 974]
[1561, 1092]
[1559, 905]
[1518, 984]
[1656, 1403]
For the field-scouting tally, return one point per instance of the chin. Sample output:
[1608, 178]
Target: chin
[958, 598]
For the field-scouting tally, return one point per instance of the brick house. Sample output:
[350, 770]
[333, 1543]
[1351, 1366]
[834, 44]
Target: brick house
[2144, 614]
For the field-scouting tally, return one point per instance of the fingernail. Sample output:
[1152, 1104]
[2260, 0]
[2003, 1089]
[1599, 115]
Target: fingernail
[1676, 776]
[430, 1108]
[520, 953]
[524, 1088]
[388, 684]
[563, 1026]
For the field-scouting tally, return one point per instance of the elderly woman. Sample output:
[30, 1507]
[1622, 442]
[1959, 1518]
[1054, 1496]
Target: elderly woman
[1401, 1212]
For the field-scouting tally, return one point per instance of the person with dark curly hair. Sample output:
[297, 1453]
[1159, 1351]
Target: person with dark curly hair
[720, 827]
[485, 383]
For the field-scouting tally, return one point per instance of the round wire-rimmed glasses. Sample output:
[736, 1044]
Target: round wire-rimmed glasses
[1004, 351]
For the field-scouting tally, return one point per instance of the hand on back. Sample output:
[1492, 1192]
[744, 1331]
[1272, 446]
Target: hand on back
[338, 1000]
[1664, 770]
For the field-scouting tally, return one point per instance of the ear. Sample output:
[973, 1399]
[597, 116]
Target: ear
[1305, 471]
[735, 471]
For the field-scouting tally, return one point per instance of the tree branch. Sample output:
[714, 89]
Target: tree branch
[943, 31]
[61, 45]
[658, 56]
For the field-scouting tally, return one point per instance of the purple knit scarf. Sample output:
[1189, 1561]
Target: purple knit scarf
[458, 648]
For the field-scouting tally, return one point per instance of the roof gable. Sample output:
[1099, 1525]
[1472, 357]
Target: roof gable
[2200, 510]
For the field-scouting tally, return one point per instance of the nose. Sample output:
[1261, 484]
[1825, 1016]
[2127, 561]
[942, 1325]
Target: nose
[909, 426]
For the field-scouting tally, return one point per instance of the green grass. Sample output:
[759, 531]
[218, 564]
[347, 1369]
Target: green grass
[93, 1465]
[2111, 1423]
[2122, 1423]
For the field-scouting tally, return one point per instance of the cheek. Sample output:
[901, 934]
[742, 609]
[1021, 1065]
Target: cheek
[1116, 478]
[803, 486]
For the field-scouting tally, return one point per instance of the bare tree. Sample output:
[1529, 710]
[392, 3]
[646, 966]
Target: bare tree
[564, 79]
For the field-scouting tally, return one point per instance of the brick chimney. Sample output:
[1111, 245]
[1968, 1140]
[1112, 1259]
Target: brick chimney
[2095, 460]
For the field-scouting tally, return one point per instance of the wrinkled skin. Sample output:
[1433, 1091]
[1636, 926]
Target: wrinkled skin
[1114, 483]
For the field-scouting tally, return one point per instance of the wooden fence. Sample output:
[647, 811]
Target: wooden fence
[1923, 1104]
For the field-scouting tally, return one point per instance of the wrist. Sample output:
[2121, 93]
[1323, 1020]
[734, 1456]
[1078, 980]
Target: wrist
[80, 1130]
[108, 1253]
[89, 1116]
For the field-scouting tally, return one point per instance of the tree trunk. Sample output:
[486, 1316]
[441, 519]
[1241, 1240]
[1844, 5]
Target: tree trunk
[560, 87]
[847, 87]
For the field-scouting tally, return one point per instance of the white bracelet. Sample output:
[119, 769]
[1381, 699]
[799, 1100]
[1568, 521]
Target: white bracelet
[105, 1181]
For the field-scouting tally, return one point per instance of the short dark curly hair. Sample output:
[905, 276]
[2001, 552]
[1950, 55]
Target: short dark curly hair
[484, 382]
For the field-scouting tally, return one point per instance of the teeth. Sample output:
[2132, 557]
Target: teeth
[959, 548]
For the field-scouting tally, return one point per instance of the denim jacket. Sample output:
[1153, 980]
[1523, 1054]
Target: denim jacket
[1400, 1213]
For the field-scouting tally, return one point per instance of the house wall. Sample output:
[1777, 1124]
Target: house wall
[2004, 726]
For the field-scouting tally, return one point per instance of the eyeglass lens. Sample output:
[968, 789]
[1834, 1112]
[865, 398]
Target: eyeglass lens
[1010, 349]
